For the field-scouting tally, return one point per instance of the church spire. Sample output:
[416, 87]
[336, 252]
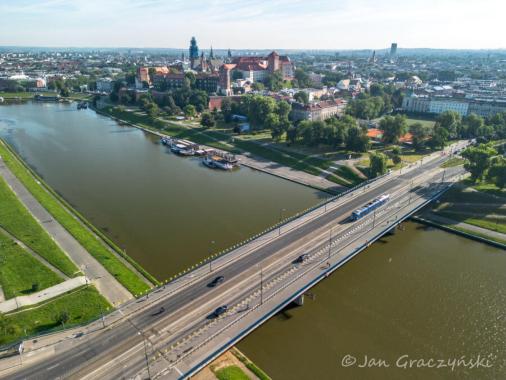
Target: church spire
[211, 53]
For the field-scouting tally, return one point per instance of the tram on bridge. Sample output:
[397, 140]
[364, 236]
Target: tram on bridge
[371, 206]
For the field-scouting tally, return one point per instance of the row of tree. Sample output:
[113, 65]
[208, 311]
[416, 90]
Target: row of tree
[344, 132]
[484, 162]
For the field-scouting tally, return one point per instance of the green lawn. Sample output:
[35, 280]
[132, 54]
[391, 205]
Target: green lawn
[19, 270]
[250, 365]
[452, 162]
[232, 372]
[88, 239]
[16, 219]
[413, 120]
[24, 95]
[476, 208]
[491, 189]
[81, 305]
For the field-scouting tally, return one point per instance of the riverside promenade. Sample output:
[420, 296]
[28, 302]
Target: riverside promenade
[105, 282]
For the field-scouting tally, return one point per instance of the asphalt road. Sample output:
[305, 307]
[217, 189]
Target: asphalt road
[90, 354]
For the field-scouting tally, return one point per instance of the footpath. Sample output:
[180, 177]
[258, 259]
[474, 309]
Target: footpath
[44, 295]
[106, 284]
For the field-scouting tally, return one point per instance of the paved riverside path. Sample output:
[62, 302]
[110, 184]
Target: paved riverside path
[105, 282]
[469, 227]
[44, 295]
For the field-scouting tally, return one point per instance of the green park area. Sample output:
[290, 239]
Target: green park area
[17, 221]
[84, 232]
[74, 308]
[20, 272]
[479, 200]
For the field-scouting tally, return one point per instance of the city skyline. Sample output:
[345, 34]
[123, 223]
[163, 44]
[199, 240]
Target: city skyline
[257, 24]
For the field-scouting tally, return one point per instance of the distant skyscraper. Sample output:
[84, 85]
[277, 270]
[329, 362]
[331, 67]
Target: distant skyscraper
[393, 50]
[194, 52]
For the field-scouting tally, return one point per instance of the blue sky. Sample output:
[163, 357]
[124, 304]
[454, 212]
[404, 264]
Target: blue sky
[301, 24]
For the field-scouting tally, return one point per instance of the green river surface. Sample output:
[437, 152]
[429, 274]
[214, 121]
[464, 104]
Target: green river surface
[419, 295]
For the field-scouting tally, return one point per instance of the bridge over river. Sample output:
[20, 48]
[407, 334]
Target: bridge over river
[171, 332]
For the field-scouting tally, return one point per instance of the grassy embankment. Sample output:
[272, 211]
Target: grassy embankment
[21, 273]
[81, 306]
[231, 373]
[30, 95]
[478, 205]
[250, 365]
[77, 225]
[18, 221]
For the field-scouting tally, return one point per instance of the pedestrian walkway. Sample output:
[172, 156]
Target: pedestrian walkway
[105, 282]
[44, 295]
[34, 254]
[469, 227]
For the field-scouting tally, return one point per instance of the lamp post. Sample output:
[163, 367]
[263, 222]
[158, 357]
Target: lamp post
[146, 355]
[280, 216]
[330, 241]
[210, 258]
[261, 285]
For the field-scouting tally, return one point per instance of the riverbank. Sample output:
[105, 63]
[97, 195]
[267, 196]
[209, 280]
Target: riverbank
[249, 154]
[121, 267]
[231, 365]
[477, 212]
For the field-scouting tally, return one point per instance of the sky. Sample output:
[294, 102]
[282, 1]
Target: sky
[254, 24]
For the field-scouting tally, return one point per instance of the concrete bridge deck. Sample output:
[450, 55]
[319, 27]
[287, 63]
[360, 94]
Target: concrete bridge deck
[261, 279]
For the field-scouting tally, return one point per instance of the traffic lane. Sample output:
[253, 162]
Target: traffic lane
[236, 268]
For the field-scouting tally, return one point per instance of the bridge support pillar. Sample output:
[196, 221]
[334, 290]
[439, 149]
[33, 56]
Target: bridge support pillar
[299, 301]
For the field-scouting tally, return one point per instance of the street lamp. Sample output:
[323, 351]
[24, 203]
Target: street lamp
[261, 286]
[210, 258]
[330, 241]
[280, 216]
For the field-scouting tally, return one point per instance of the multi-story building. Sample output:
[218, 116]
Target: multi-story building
[318, 111]
[464, 107]
[105, 85]
[441, 105]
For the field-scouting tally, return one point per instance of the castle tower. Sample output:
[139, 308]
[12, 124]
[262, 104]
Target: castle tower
[194, 52]
[273, 61]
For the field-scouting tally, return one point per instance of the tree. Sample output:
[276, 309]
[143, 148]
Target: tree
[226, 110]
[394, 127]
[208, 120]
[478, 160]
[62, 317]
[440, 136]
[189, 111]
[303, 78]
[291, 135]
[420, 133]
[377, 164]
[366, 107]
[65, 92]
[357, 140]
[258, 86]
[471, 125]
[497, 172]
[302, 97]
[274, 81]
[449, 120]
[396, 155]
[199, 99]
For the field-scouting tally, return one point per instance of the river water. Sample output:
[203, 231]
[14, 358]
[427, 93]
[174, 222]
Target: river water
[168, 212]
[421, 294]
